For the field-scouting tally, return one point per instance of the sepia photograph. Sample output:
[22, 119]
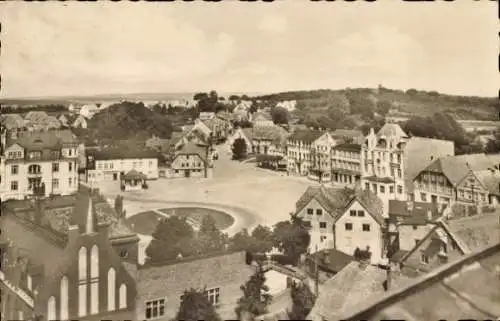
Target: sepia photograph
[252, 161]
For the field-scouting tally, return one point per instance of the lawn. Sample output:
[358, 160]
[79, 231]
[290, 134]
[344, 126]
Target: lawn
[222, 220]
[144, 222]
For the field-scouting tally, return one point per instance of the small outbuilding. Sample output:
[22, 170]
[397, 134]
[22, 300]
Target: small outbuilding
[133, 180]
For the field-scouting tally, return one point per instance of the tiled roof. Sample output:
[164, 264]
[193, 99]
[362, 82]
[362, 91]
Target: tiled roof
[273, 133]
[390, 129]
[305, 135]
[479, 231]
[378, 179]
[133, 174]
[120, 153]
[490, 180]
[248, 133]
[11, 121]
[44, 140]
[331, 260]
[348, 147]
[412, 212]
[467, 288]
[353, 285]
[192, 149]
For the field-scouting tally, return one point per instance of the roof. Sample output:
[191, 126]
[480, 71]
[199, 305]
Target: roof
[347, 133]
[412, 212]
[455, 168]
[54, 139]
[348, 147]
[490, 180]
[391, 129]
[468, 288]
[11, 121]
[248, 133]
[133, 175]
[335, 200]
[305, 135]
[193, 149]
[35, 115]
[378, 179]
[477, 232]
[273, 133]
[353, 285]
[120, 153]
[331, 260]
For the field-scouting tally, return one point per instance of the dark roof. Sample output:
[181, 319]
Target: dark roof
[305, 135]
[193, 149]
[468, 288]
[53, 139]
[335, 200]
[378, 179]
[411, 211]
[121, 153]
[331, 260]
[348, 147]
[133, 174]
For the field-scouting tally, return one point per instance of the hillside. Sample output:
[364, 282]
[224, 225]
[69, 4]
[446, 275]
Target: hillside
[128, 120]
[366, 100]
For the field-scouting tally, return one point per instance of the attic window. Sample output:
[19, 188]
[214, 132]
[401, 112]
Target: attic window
[38, 140]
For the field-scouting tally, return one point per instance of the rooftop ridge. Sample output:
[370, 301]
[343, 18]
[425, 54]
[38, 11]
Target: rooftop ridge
[188, 259]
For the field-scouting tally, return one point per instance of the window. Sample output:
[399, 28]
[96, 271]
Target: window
[51, 309]
[64, 298]
[70, 152]
[423, 197]
[213, 296]
[391, 189]
[29, 283]
[310, 211]
[111, 289]
[55, 167]
[123, 253]
[382, 189]
[322, 224]
[123, 297]
[366, 227]
[82, 284]
[367, 186]
[352, 213]
[424, 259]
[319, 211]
[155, 309]
[94, 282]
[445, 248]
[55, 183]
[70, 181]
[14, 169]
[13, 186]
[70, 167]
[361, 213]
[348, 226]
[414, 227]
[400, 189]
[399, 173]
[416, 240]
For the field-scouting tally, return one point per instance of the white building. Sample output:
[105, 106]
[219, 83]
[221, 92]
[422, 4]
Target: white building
[44, 162]
[88, 111]
[106, 165]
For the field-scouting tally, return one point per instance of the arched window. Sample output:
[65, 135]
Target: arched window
[94, 282]
[64, 298]
[51, 309]
[123, 297]
[82, 282]
[111, 289]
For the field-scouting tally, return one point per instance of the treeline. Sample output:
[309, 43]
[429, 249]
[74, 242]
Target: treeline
[46, 108]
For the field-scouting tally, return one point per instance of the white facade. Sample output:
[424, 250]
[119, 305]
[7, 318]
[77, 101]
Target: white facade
[321, 156]
[322, 223]
[111, 169]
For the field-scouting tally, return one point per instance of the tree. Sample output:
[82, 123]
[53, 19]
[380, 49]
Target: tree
[411, 92]
[173, 236]
[234, 97]
[242, 241]
[493, 145]
[383, 106]
[210, 239]
[195, 306]
[255, 298]
[239, 149]
[280, 115]
[303, 301]
[119, 204]
[292, 237]
[263, 236]
[200, 96]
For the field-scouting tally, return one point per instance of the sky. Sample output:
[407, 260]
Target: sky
[72, 48]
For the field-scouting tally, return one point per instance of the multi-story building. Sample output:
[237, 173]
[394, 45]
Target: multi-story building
[321, 151]
[66, 258]
[343, 219]
[110, 164]
[346, 168]
[299, 156]
[269, 146]
[191, 161]
[460, 179]
[390, 159]
[161, 285]
[41, 163]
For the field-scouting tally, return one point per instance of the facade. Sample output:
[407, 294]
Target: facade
[269, 146]
[348, 136]
[161, 286]
[79, 122]
[66, 263]
[346, 165]
[343, 219]
[44, 162]
[390, 160]
[246, 134]
[110, 164]
[262, 119]
[191, 161]
[299, 156]
[457, 179]
[88, 111]
[321, 150]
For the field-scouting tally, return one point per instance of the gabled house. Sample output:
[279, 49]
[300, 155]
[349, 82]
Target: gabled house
[79, 122]
[200, 134]
[262, 119]
[343, 219]
[12, 122]
[88, 111]
[299, 151]
[244, 133]
[269, 146]
[191, 161]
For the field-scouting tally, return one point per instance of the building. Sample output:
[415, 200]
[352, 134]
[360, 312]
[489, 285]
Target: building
[353, 285]
[287, 104]
[246, 134]
[13, 122]
[39, 162]
[269, 146]
[348, 136]
[191, 161]
[262, 119]
[467, 288]
[466, 179]
[110, 164]
[219, 128]
[299, 155]
[160, 287]
[66, 258]
[390, 160]
[346, 165]
[321, 158]
[206, 115]
[40, 121]
[343, 219]
[88, 111]
[79, 122]
[324, 264]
